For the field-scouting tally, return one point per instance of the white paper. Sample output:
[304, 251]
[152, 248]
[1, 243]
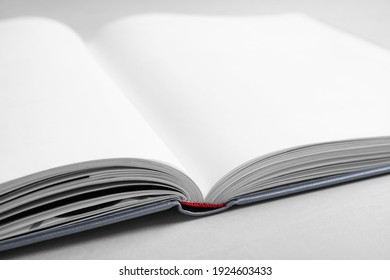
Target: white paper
[221, 90]
[58, 107]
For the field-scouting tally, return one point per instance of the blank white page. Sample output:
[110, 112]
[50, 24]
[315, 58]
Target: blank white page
[221, 90]
[58, 107]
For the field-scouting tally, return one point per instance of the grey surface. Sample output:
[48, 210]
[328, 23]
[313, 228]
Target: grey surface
[369, 19]
[347, 222]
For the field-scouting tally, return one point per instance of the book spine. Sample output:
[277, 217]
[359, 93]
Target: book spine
[203, 205]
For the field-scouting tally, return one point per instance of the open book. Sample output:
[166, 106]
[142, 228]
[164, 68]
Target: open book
[196, 112]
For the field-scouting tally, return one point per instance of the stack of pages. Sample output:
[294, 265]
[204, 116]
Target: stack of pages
[196, 112]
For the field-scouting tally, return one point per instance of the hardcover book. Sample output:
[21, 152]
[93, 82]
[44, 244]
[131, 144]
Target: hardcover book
[201, 113]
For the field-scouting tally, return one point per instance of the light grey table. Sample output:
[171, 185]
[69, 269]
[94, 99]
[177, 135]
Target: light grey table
[347, 222]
